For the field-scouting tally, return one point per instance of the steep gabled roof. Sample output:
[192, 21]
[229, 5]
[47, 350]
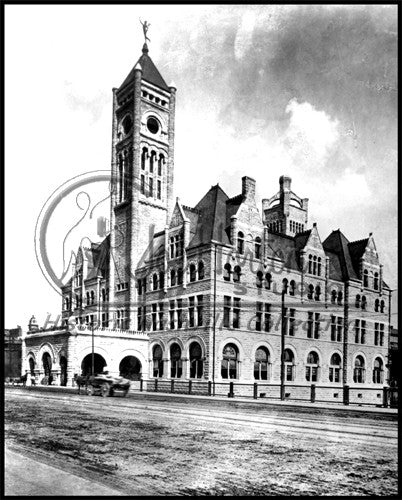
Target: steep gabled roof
[98, 258]
[211, 222]
[356, 251]
[283, 247]
[150, 72]
[301, 239]
[337, 243]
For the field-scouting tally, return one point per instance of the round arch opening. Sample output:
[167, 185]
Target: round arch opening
[63, 371]
[86, 365]
[130, 367]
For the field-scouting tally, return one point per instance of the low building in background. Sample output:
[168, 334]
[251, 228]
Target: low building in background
[12, 352]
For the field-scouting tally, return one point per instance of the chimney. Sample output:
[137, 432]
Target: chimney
[248, 187]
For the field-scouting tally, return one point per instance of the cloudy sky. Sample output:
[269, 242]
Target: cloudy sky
[308, 91]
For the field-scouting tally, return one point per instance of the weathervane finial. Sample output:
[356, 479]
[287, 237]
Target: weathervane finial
[145, 27]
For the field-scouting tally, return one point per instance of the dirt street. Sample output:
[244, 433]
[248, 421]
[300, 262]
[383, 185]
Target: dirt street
[143, 447]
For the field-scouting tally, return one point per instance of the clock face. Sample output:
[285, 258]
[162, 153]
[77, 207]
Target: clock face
[153, 125]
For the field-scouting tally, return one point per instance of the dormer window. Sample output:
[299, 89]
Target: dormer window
[365, 279]
[240, 242]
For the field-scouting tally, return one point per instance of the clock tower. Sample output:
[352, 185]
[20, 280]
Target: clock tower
[142, 176]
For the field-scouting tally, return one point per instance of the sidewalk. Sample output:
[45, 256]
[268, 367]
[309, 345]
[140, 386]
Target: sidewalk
[25, 476]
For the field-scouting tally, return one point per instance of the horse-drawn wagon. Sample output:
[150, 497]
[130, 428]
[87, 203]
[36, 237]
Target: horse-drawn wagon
[103, 384]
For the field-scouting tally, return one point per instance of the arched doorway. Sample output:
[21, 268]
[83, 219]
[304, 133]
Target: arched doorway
[130, 367]
[47, 364]
[86, 365]
[63, 371]
[31, 367]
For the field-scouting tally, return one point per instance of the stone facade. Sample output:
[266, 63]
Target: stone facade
[219, 292]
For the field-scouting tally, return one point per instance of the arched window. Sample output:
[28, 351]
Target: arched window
[375, 281]
[365, 278]
[176, 364]
[192, 273]
[157, 358]
[171, 245]
[226, 272]
[152, 162]
[359, 370]
[180, 276]
[285, 285]
[292, 288]
[92, 297]
[155, 281]
[236, 274]
[319, 266]
[312, 367]
[364, 303]
[161, 161]
[144, 157]
[377, 305]
[257, 247]
[259, 279]
[67, 303]
[196, 362]
[310, 264]
[268, 281]
[340, 298]
[382, 306]
[88, 299]
[173, 277]
[333, 297]
[162, 280]
[240, 242]
[357, 301]
[335, 368]
[378, 371]
[230, 361]
[261, 364]
[289, 365]
[103, 295]
[317, 293]
[315, 264]
[310, 292]
[201, 270]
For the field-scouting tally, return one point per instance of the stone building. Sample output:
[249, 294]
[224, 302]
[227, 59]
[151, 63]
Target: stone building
[219, 292]
[12, 352]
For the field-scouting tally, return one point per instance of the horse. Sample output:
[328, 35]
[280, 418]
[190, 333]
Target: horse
[81, 381]
[20, 380]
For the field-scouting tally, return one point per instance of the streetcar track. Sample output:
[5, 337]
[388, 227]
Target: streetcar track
[244, 419]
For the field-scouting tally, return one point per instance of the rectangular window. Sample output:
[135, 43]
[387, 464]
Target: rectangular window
[236, 313]
[142, 184]
[310, 325]
[159, 190]
[376, 334]
[317, 326]
[339, 329]
[171, 315]
[179, 313]
[292, 313]
[200, 310]
[141, 318]
[267, 318]
[363, 332]
[226, 311]
[191, 301]
[258, 321]
[154, 317]
[357, 331]
[333, 328]
[151, 187]
[382, 328]
[105, 319]
[285, 320]
[161, 319]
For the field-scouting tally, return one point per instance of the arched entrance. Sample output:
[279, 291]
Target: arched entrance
[63, 371]
[130, 367]
[47, 368]
[31, 367]
[86, 365]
